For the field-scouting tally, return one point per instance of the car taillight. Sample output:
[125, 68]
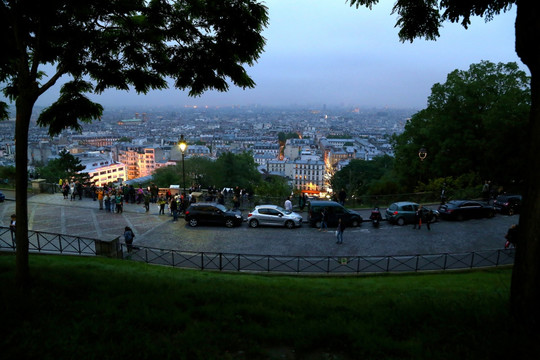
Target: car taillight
[249, 215]
[395, 212]
[187, 212]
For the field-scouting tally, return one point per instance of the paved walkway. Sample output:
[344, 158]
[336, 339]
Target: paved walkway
[53, 213]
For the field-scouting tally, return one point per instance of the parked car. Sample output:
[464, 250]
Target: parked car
[465, 209]
[508, 204]
[334, 211]
[2, 197]
[404, 212]
[213, 214]
[273, 215]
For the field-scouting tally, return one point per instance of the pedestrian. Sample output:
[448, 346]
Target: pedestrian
[161, 203]
[107, 200]
[100, 198]
[65, 189]
[443, 194]
[119, 203]
[511, 236]
[13, 227]
[288, 204]
[428, 218]
[418, 218]
[340, 229]
[174, 208]
[486, 190]
[342, 196]
[128, 238]
[147, 202]
[323, 220]
[72, 190]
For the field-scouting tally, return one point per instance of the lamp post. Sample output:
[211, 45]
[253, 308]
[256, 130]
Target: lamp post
[183, 147]
[422, 153]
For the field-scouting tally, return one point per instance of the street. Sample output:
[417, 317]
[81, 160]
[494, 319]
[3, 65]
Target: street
[51, 213]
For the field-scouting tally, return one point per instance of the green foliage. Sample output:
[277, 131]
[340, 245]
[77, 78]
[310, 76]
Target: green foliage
[475, 121]
[229, 170]
[167, 176]
[237, 170]
[283, 137]
[7, 175]
[125, 139]
[66, 166]
[273, 187]
[359, 176]
[417, 19]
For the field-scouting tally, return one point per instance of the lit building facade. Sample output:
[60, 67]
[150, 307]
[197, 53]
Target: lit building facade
[305, 175]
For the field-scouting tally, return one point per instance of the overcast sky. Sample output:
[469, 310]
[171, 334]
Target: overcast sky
[325, 52]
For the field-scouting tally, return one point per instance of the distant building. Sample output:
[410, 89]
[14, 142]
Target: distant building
[140, 161]
[304, 175]
[101, 168]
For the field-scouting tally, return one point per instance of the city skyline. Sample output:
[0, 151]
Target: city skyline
[328, 53]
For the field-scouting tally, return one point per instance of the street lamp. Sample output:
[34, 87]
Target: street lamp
[183, 147]
[422, 153]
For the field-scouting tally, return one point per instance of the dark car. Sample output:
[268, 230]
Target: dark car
[465, 209]
[508, 204]
[404, 212]
[334, 211]
[2, 197]
[212, 214]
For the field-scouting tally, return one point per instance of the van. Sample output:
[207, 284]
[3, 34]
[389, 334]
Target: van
[334, 211]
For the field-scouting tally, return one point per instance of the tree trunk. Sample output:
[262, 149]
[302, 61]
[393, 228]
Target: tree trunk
[525, 289]
[24, 112]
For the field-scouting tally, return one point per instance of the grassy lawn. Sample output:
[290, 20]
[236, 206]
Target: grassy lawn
[97, 308]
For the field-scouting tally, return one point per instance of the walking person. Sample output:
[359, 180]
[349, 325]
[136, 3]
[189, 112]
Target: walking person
[107, 200]
[428, 218]
[13, 227]
[161, 203]
[174, 209]
[147, 202]
[100, 198]
[340, 229]
[323, 220]
[288, 204]
[128, 238]
[342, 196]
[119, 202]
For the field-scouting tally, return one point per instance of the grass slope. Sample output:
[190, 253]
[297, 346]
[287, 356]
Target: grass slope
[96, 308]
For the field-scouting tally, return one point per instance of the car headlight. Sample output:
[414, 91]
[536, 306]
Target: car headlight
[238, 216]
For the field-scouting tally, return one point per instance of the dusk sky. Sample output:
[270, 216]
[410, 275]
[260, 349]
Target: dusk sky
[326, 52]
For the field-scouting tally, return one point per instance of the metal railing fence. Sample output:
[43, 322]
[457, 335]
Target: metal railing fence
[321, 264]
[43, 242]
[52, 243]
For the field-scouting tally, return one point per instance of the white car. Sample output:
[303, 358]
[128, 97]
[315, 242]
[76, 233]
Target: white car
[273, 215]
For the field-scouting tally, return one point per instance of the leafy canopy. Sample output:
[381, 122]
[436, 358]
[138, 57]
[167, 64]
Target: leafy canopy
[423, 18]
[474, 123]
[138, 44]
[65, 167]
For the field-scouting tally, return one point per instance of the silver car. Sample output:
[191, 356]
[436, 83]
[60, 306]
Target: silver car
[273, 215]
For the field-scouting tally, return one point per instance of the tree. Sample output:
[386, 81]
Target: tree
[102, 44]
[240, 170]
[423, 19]
[66, 166]
[474, 122]
[359, 175]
